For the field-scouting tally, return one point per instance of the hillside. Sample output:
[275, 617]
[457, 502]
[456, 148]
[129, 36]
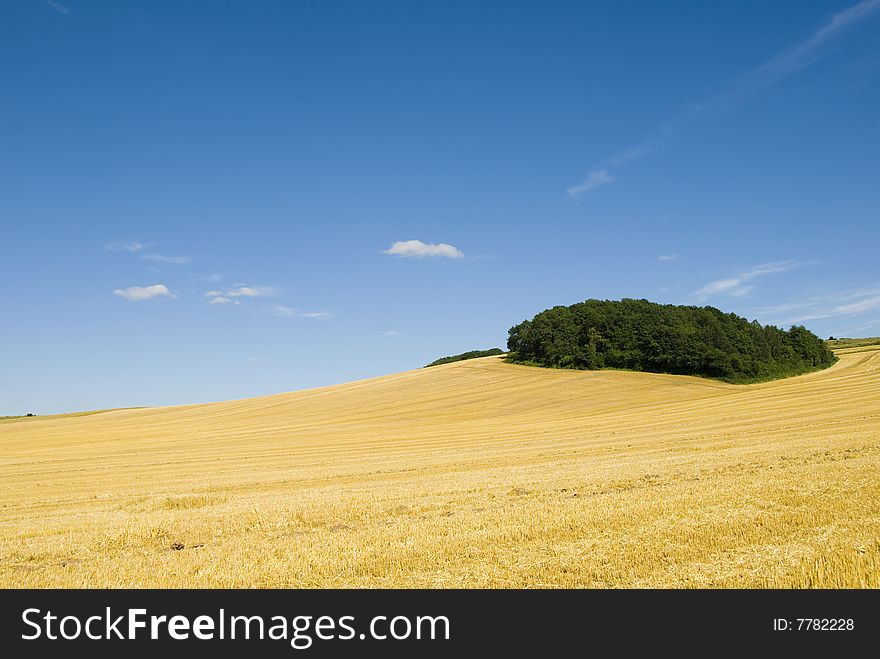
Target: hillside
[476, 473]
[841, 344]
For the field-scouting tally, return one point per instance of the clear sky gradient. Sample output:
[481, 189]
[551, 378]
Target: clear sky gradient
[210, 200]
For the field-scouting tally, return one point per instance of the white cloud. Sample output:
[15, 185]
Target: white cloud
[316, 315]
[668, 257]
[125, 246]
[222, 300]
[735, 286]
[418, 249]
[140, 293]
[595, 179]
[172, 260]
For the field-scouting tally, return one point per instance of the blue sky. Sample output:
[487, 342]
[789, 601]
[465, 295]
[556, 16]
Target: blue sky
[209, 200]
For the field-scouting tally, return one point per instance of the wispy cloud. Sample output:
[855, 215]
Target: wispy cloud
[141, 293]
[738, 285]
[668, 257]
[787, 62]
[288, 312]
[631, 153]
[806, 52]
[819, 307]
[213, 278]
[386, 334]
[125, 246]
[235, 294]
[170, 260]
[595, 179]
[251, 291]
[418, 249]
[858, 329]
[57, 6]
[284, 312]
[219, 299]
[858, 307]
[245, 291]
[133, 246]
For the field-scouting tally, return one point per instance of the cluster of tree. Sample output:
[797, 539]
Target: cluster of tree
[473, 354]
[644, 336]
[841, 342]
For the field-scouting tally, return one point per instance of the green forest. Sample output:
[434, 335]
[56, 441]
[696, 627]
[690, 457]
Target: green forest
[472, 354]
[640, 335]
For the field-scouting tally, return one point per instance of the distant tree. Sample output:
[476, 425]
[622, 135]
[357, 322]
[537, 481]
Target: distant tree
[473, 354]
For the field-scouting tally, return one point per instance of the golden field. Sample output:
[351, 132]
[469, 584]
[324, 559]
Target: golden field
[472, 474]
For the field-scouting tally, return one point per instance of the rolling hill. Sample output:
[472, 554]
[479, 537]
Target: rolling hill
[477, 473]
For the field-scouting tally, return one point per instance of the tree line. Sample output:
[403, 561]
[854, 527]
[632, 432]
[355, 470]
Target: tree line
[471, 354]
[640, 335]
